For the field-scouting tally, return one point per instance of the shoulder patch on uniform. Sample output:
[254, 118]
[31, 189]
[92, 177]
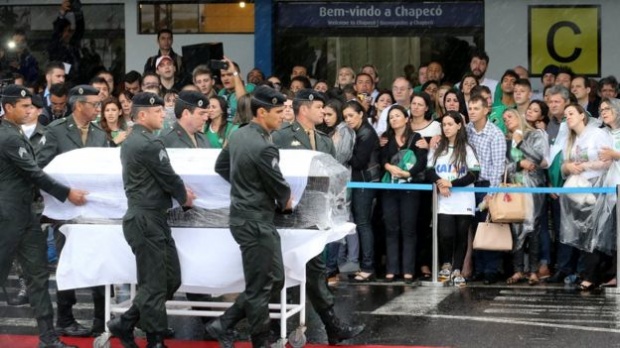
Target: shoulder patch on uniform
[274, 163]
[162, 155]
[21, 152]
[43, 140]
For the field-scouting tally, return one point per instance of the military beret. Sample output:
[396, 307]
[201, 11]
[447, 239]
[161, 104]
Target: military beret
[83, 90]
[38, 102]
[268, 96]
[146, 99]
[15, 91]
[308, 94]
[193, 98]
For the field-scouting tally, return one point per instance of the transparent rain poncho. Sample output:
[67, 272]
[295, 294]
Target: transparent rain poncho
[534, 148]
[580, 211]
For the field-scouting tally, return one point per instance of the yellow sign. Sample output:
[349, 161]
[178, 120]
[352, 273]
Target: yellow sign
[565, 35]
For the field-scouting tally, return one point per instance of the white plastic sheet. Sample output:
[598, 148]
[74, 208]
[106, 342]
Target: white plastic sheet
[210, 258]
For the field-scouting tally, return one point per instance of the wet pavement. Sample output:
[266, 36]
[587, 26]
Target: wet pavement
[474, 316]
[399, 314]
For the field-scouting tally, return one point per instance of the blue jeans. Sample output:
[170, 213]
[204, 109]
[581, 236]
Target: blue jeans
[331, 256]
[361, 206]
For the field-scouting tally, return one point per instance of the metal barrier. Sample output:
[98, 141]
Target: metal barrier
[540, 190]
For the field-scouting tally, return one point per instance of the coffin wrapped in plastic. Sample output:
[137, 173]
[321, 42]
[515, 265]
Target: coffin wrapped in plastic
[318, 185]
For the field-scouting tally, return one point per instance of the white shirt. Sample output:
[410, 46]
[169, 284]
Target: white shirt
[459, 203]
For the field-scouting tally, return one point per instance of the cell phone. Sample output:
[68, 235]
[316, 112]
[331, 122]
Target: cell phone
[216, 64]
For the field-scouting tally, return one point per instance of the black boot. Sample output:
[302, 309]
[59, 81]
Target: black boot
[123, 331]
[22, 295]
[336, 330]
[47, 335]
[225, 337]
[155, 340]
[261, 340]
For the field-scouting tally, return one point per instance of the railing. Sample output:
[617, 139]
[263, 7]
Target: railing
[541, 190]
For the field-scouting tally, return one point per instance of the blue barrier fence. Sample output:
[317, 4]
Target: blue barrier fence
[540, 190]
[429, 187]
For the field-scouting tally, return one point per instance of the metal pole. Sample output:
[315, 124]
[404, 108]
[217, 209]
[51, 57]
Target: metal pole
[616, 289]
[435, 266]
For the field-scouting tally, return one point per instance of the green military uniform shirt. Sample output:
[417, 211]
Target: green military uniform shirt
[19, 174]
[177, 137]
[292, 136]
[148, 178]
[250, 163]
[63, 135]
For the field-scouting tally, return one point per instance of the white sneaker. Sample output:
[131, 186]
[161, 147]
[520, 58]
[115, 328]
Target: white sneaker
[444, 273]
[457, 279]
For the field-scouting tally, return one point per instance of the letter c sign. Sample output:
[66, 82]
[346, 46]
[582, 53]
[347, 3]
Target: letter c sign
[564, 35]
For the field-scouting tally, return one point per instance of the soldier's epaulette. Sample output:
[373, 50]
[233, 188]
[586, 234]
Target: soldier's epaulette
[57, 122]
[286, 125]
[316, 131]
[96, 125]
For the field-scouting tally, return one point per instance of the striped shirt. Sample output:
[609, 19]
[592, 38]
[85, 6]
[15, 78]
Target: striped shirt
[490, 146]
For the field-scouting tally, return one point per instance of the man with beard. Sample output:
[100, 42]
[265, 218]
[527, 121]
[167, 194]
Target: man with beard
[58, 106]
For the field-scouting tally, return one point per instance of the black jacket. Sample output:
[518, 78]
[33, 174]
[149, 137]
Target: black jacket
[364, 162]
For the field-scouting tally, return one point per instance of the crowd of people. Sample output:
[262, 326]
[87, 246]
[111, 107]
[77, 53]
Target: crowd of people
[422, 129]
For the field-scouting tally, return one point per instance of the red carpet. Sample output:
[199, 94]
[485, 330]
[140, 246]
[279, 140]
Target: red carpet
[17, 341]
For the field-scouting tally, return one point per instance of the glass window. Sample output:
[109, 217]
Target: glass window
[189, 18]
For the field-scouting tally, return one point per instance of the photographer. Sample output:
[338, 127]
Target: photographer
[66, 42]
[20, 59]
[234, 88]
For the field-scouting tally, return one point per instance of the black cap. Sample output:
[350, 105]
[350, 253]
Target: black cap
[193, 98]
[268, 96]
[309, 95]
[15, 91]
[551, 69]
[147, 99]
[38, 102]
[83, 90]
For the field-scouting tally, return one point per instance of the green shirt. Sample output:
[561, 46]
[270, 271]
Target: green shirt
[231, 98]
[214, 138]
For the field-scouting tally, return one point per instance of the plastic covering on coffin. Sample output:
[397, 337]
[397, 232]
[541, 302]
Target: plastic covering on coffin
[318, 183]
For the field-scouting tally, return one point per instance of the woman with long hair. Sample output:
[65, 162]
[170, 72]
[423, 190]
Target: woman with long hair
[383, 101]
[440, 108]
[421, 111]
[537, 114]
[526, 160]
[112, 121]
[217, 128]
[364, 164]
[125, 98]
[400, 207]
[453, 163]
[468, 81]
[342, 136]
[453, 101]
[582, 167]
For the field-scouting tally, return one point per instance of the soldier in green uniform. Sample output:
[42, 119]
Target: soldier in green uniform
[301, 134]
[250, 163]
[21, 235]
[190, 110]
[150, 184]
[75, 132]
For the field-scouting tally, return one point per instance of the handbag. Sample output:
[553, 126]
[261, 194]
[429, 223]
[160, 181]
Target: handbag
[405, 160]
[493, 236]
[507, 207]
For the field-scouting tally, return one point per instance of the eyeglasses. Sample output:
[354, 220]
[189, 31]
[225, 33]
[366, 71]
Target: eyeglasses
[93, 104]
[600, 111]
